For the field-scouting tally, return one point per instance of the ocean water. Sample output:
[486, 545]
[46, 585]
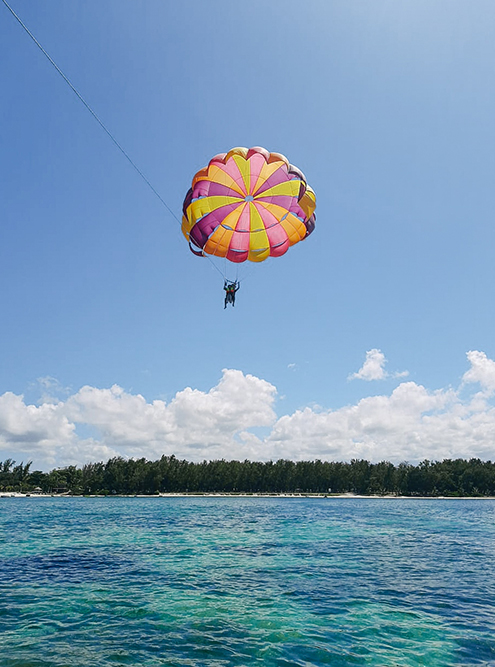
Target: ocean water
[220, 582]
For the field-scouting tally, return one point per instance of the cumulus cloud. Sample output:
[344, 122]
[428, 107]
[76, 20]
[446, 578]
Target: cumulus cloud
[195, 425]
[410, 423]
[482, 371]
[374, 368]
[396, 427]
[35, 431]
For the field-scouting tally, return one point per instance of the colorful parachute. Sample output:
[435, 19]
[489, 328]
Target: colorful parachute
[248, 204]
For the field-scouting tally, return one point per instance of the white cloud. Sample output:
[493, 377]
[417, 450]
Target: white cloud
[394, 427]
[35, 432]
[482, 371]
[374, 368]
[194, 424]
[411, 423]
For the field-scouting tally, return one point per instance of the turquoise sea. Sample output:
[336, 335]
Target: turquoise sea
[220, 582]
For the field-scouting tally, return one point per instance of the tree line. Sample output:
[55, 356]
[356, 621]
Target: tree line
[450, 477]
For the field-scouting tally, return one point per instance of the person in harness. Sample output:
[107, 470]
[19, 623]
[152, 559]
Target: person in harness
[230, 290]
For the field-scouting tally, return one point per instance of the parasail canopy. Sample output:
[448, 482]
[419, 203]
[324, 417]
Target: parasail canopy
[248, 204]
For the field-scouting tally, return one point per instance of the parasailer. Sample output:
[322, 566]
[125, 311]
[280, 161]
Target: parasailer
[230, 291]
[247, 205]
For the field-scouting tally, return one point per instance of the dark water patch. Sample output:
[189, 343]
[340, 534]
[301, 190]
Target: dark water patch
[68, 566]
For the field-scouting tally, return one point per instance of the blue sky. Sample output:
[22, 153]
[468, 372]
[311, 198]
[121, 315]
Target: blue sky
[352, 344]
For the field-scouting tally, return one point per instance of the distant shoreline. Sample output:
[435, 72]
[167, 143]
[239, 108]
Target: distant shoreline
[316, 496]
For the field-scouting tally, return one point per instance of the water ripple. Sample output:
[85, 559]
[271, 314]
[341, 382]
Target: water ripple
[238, 582]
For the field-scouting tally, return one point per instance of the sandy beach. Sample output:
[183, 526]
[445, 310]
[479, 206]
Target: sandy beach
[316, 496]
